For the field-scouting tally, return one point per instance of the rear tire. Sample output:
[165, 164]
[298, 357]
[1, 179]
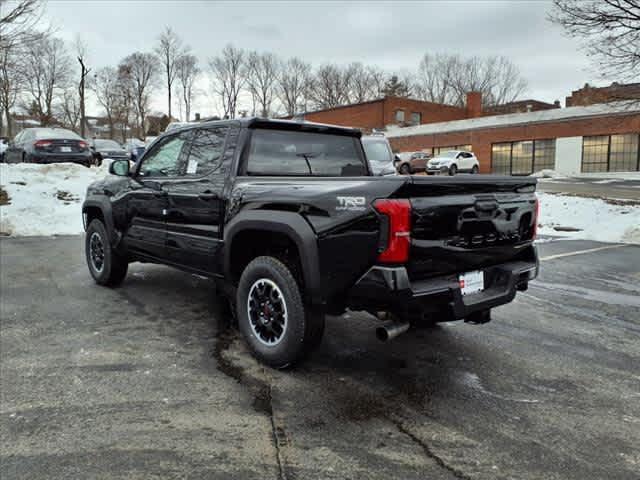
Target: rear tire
[107, 267]
[272, 316]
[475, 170]
[453, 169]
[405, 169]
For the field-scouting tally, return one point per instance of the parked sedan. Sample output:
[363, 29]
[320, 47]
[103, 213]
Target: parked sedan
[452, 162]
[48, 145]
[107, 149]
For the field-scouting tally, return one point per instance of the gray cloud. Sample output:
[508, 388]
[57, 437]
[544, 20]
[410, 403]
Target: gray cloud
[393, 35]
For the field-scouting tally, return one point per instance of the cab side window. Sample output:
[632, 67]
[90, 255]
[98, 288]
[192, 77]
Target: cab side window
[164, 159]
[206, 151]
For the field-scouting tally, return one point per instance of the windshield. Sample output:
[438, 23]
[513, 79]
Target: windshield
[449, 154]
[279, 152]
[107, 144]
[377, 151]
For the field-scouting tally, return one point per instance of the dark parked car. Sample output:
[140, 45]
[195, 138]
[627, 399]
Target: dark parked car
[48, 145]
[102, 149]
[287, 219]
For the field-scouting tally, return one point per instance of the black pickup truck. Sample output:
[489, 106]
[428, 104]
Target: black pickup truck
[289, 221]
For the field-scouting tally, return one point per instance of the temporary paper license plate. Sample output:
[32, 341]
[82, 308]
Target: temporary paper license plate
[65, 149]
[471, 282]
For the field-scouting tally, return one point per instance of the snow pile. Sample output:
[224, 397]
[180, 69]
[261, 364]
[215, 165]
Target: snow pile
[45, 199]
[588, 218]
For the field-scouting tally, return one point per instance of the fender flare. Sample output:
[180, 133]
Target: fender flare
[103, 204]
[290, 224]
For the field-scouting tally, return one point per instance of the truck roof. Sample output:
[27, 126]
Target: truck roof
[257, 122]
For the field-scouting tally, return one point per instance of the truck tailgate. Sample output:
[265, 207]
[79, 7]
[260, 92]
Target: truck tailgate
[469, 222]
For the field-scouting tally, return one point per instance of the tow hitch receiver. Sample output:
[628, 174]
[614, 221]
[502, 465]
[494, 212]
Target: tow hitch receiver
[478, 318]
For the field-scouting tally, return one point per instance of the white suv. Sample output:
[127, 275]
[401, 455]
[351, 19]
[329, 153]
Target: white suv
[452, 162]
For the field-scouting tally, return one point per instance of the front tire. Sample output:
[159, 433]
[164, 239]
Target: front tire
[272, 316]
[107, 267]
[453, 169]
[405, 169]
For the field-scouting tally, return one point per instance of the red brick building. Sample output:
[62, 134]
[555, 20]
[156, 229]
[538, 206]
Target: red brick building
[596, 138]
[377, 114]
[589, 95]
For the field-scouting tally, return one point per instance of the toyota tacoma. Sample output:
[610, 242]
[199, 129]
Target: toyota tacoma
[287, 218]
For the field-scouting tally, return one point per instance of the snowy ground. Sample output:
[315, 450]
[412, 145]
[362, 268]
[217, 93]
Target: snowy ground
[592, 219]
[46, 199]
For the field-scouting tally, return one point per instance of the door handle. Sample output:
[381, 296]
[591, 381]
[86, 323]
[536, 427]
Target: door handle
[208, 196]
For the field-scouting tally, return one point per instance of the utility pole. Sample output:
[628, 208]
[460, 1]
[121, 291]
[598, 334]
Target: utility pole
[84, 71]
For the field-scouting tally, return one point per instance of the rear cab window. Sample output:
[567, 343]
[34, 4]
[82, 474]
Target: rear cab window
[296, 153]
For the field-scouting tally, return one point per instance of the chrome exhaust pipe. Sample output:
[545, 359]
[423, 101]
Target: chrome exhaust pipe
[391, 330]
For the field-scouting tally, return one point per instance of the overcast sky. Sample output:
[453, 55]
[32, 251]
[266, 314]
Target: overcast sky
[392, 35]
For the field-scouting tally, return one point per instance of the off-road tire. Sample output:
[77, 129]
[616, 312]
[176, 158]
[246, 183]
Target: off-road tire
[114, 266]
[304, 327]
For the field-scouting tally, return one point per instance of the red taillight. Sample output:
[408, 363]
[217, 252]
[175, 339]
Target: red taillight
[83, 145]
[399, 231]
[43, 143]
[536, 219]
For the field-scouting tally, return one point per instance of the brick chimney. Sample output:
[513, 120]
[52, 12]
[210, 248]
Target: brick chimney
[474, 104]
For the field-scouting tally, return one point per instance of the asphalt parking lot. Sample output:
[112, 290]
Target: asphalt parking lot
[148, 381]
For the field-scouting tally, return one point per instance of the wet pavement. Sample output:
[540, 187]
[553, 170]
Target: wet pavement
[148, 381]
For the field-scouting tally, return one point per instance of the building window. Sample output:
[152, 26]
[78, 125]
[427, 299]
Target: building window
[623, 156]
[416, 118]
[501, 158]
[544, 155]
[399, 116]
[464, 148]
[523, 157]
[595, 153]
[610, 153]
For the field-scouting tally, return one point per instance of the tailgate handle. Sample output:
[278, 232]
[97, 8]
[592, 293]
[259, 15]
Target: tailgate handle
[486, 205]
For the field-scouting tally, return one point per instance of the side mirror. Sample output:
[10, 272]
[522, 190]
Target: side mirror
[396, 159]
[120, 168]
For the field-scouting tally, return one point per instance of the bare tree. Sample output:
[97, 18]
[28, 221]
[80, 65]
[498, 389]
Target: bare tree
[71, 110]
[11, 84]
[169, 51]
[46, 72]
[124, 110]
[262, 75]
[434, 81]
[366, 82]
[81, 51]
[105, 88]
[141, 70]
[396, 87]
[330, 86]
[19, 21]
[187, 73]
[229, 76]
[447, 79]
[293, 85]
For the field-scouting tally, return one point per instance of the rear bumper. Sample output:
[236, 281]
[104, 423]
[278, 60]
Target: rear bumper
[390, 289]
[437, 170]
[43, 158]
